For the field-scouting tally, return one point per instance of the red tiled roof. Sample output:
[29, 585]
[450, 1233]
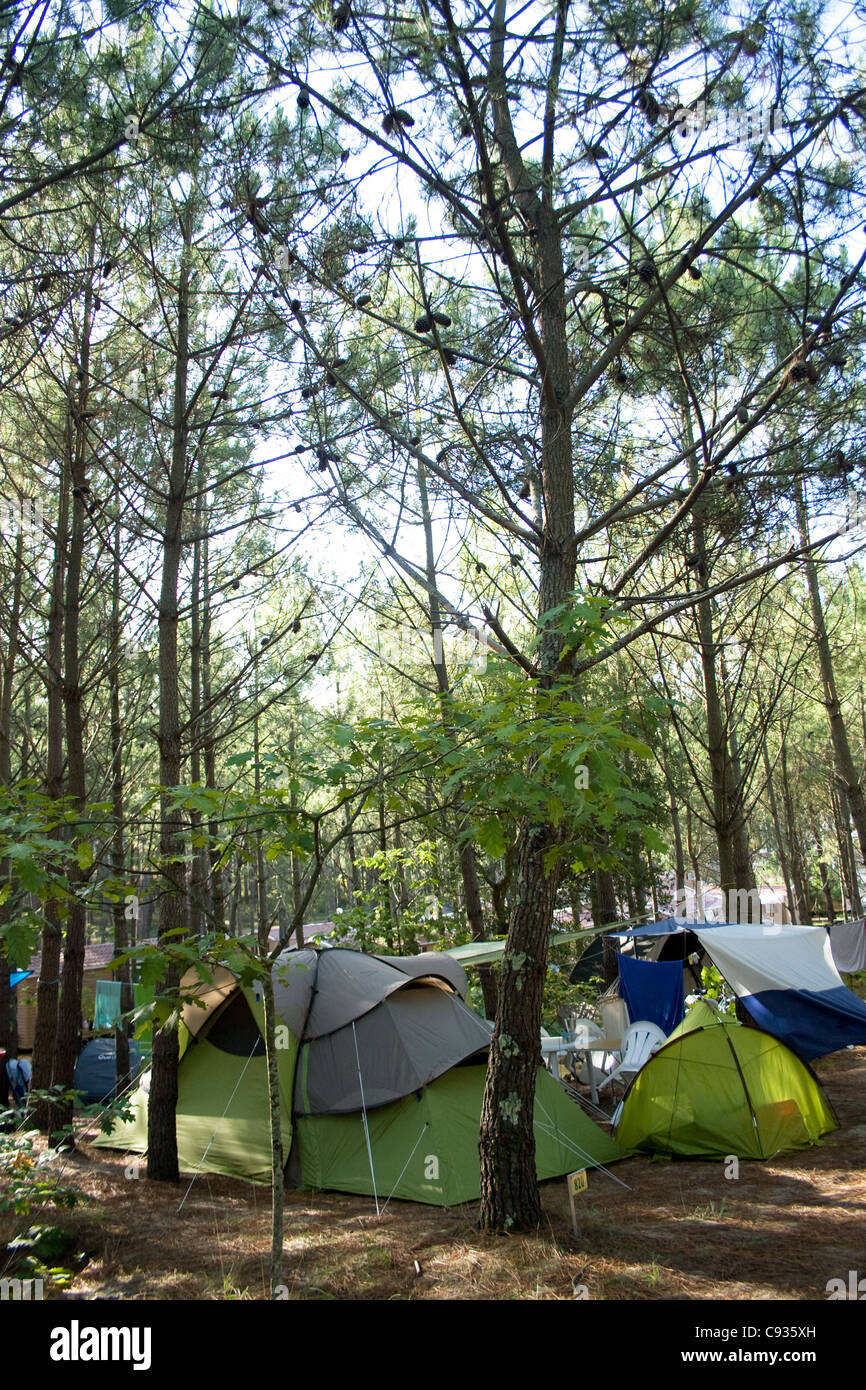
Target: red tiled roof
[96, 956]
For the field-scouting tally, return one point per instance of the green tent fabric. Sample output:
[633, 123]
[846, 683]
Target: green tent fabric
[393, 1055]
[716, 1088]
[424, 1148]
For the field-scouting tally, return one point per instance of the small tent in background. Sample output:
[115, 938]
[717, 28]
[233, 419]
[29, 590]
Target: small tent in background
[96, 1069]
[382, 1070]
[591, 963]
[716, 1088]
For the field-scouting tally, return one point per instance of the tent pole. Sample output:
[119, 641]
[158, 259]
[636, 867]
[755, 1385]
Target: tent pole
[364, 1121]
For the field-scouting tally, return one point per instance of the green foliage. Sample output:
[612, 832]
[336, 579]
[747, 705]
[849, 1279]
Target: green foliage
[524, 751]
[27, 1181]
[560, 996]
[401, 904]
[716, 989]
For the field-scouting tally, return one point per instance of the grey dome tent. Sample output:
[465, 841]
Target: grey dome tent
[382, 1069]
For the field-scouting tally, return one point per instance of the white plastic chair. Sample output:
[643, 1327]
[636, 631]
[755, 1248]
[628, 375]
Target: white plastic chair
[639, 1042]
[594, 1066]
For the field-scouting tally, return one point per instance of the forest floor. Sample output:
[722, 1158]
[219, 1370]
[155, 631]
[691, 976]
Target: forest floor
[681, 1230]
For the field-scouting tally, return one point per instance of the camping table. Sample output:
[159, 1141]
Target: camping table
[555, 1047]
[561, 1047]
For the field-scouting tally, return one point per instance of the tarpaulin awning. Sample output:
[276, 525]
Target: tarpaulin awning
[17, 976]
[664, 927]
[481, 952]
[653, 991]
[786, 978]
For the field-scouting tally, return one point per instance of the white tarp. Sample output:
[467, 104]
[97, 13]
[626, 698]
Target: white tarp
[786, 979]
[756, 958]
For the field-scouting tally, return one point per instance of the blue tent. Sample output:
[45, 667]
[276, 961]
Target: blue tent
[96, 1068]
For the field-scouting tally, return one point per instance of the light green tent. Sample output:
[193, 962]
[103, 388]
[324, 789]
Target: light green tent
[382, 1069]
[717, 1088]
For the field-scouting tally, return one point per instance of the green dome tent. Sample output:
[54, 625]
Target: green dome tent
[382, 1068]
[717, 1088]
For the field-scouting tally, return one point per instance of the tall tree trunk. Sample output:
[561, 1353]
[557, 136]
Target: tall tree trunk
[847, 841]
[118, 846]
[8, 1017]
[48, 983]
[744, 874]
[68, 1043]
[676, 826]
[162, 1133]
[199, 906]
[274, 1104]
[216, 872]
[845, 768]
[696, 868]
[780, 839]
[509, 1189]
[466, 851]
[824, 875]
[604, 913]
[798, 873]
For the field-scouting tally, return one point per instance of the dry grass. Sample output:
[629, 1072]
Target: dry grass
[681, 1231]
